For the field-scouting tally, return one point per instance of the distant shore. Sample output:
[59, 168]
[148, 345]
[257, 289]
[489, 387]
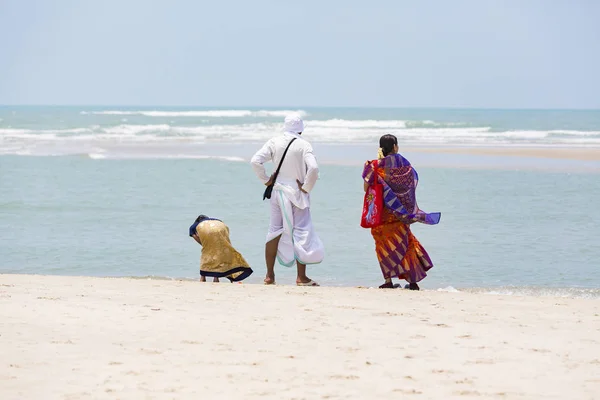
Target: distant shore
[84, 338]
[566, 153]
[474, 156]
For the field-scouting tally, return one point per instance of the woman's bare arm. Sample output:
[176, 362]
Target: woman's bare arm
[197, 239]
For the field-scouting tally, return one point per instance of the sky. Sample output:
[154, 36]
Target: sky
[277, 53]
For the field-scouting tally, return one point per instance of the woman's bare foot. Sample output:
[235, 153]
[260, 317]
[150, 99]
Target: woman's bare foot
[269, 280]
[202, 279]
[388, 284]
[215, 279]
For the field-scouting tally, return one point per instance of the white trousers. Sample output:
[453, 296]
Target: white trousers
[299, 241]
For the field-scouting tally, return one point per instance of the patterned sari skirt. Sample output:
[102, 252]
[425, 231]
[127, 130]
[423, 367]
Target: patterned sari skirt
[399, 252]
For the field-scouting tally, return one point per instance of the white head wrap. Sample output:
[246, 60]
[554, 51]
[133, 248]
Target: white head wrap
[293, 123]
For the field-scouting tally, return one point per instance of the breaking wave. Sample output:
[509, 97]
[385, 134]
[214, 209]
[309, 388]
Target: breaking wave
[202, 113]
[82, 140]
[564, 292]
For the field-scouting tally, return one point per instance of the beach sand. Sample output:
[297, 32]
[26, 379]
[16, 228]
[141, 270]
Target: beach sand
[550, 152]
[117, 338]
[353, 153]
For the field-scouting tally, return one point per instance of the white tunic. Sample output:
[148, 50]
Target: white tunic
[299, 163]
[290, 207]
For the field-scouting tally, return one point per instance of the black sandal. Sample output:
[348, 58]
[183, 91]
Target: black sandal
[387, 285]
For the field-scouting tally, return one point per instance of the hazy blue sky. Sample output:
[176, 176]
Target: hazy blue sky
[478, 53]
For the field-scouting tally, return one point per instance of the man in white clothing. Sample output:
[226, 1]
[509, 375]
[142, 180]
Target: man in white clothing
[291, 237]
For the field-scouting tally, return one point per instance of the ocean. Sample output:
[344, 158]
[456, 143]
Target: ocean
[111, 191]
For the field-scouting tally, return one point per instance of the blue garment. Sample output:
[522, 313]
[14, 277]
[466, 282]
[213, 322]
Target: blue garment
[201, 219]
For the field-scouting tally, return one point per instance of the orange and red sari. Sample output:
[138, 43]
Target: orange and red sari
[399, 253]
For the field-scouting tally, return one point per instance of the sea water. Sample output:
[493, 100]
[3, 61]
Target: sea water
[111, 191]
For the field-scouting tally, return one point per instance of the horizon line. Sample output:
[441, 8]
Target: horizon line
[309, 107]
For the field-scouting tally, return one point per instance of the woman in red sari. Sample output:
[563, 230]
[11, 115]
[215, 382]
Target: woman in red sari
[399, 252]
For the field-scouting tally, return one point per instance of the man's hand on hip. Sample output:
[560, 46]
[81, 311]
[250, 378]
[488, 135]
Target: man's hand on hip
[270, 181]
[300, 184]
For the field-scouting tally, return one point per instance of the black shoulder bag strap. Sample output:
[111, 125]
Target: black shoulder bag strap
[269, 189]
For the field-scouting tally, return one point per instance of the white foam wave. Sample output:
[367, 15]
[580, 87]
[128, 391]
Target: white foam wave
[14, 132]
[323, 131]
[429, 123]
[195, 157]
[525, 134]
[131, 130]
[158, 156]
[85, 139]
[575, 133]
[572, 292]
[356, 124]
[577, 142]
[202, 113]
[448, 289]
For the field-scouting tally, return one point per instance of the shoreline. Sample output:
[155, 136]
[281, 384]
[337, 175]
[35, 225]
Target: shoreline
[557, 292]
[533, 151]
[243, 151]
[579, 153]
[84, 337]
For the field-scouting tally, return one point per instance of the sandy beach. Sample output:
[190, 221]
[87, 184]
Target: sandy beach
[589, 153]
[115, 338]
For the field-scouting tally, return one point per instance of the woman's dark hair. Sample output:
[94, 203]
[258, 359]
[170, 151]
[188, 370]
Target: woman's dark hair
[200, 218]
[387, 142]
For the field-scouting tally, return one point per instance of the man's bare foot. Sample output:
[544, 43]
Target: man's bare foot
[202, 279]
[269, 280]
[215, 279]
[305, 281]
